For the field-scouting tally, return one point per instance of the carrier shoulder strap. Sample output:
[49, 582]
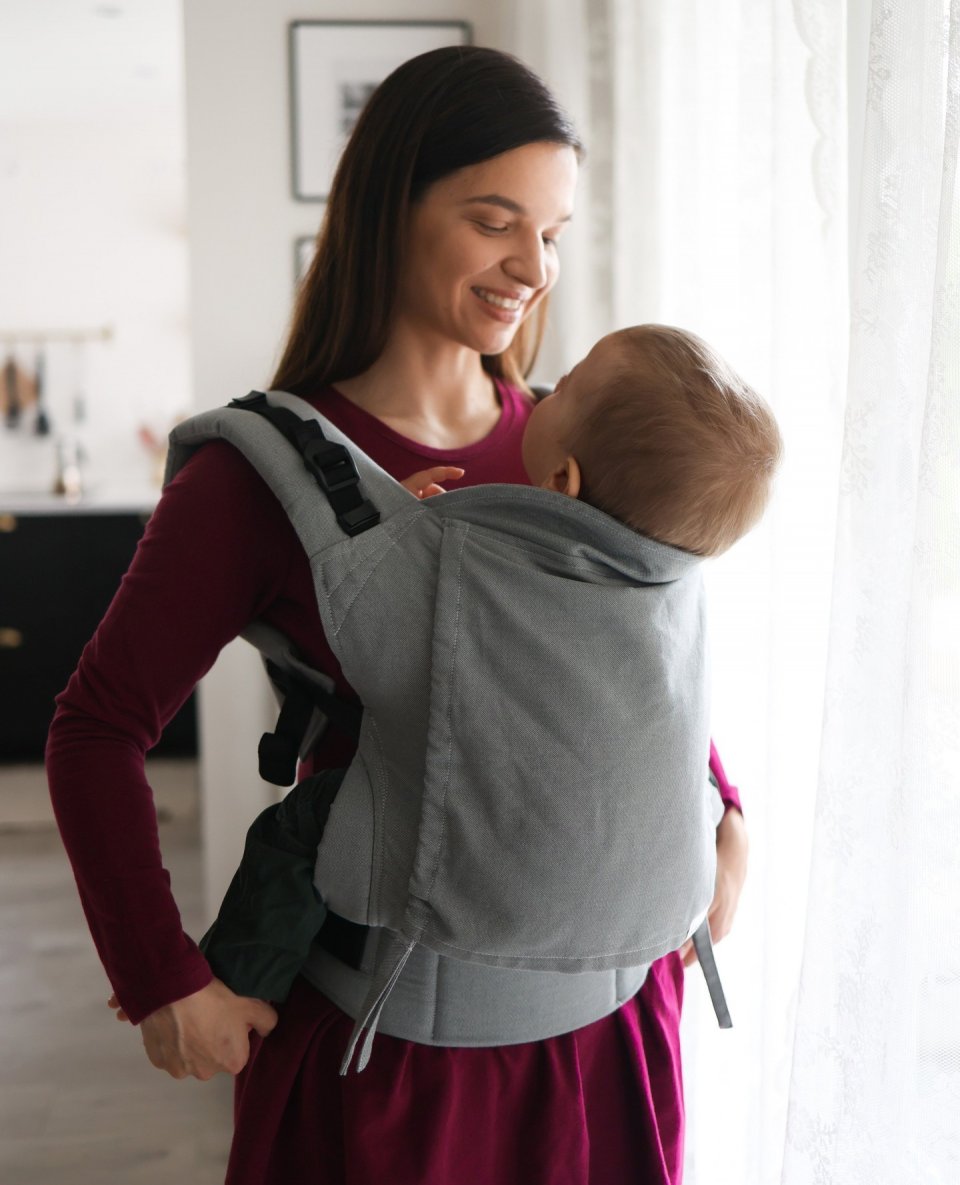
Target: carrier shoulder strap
[387, 494]
[272, 446]
[329, 463]
[300, 455]
[332, 467]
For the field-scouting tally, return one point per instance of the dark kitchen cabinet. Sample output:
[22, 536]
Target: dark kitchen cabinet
[58, 573]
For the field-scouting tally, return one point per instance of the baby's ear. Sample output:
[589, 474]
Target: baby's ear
[565, 479]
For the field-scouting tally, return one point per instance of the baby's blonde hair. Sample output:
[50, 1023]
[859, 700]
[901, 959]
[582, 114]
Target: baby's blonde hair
[675, 444]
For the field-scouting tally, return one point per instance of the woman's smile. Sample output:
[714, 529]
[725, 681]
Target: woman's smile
[500, 305]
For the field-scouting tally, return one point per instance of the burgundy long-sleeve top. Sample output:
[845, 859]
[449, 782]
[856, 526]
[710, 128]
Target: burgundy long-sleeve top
[217, 553]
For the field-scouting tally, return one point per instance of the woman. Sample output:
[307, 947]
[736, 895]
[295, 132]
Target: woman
[413, 330]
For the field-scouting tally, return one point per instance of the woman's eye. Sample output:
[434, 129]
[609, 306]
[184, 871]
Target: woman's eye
[489, 228]
[549, 240]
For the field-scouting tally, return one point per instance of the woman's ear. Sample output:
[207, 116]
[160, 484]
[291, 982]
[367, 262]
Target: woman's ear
[565, 479]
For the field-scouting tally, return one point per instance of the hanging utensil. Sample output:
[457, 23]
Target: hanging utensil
[11, 386]
[42, 423]
[79, 382]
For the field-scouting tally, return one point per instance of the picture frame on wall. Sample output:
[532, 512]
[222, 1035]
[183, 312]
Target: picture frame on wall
[334, 68]
[303, 249]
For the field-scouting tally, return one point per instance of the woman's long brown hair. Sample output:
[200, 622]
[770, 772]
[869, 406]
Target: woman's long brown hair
[438, 112]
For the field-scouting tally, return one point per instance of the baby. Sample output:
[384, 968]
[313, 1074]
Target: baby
[657, 430]
[652, 428]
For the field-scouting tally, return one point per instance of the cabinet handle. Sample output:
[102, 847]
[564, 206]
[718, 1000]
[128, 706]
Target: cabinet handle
[8, 523]
[10, 639]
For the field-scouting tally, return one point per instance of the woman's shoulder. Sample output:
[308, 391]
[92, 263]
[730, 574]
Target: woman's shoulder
[218, 478]
[217, 505]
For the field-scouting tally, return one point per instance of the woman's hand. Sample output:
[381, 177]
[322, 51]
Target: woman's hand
[731, 873]
[203, 1034]
[424, 484]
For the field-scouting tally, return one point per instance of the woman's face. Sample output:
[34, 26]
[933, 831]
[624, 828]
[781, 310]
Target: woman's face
[481, 248]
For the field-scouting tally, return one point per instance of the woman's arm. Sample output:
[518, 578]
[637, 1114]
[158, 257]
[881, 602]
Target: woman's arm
[215, 553]
[728, 792]
[732, 850]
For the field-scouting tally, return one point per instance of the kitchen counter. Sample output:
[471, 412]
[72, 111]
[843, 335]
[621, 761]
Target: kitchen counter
[114, 482]
[136, 498]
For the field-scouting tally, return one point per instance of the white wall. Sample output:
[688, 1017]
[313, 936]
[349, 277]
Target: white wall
[242, 226]
[92, 199]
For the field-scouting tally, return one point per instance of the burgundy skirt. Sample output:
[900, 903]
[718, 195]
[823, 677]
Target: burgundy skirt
[599, 1106]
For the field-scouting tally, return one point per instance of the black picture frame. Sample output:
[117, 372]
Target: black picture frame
[333, 67]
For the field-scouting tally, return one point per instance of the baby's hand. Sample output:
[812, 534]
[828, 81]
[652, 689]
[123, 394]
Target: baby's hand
[424, 483]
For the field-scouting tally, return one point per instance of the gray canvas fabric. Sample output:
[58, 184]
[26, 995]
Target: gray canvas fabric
[529, 789]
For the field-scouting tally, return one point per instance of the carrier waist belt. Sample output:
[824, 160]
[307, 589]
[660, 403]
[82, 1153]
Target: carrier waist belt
[443, 1001]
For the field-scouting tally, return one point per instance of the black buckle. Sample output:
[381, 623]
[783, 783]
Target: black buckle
[330, 464]
[277, 756]
[359, 519]
[253, 400]
[343, 939]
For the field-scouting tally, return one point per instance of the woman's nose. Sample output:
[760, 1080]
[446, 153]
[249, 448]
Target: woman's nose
[528, 264]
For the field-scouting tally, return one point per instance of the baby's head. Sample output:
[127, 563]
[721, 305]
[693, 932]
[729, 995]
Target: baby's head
[657, 430]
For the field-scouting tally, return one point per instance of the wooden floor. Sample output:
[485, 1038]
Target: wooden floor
[79, 1102]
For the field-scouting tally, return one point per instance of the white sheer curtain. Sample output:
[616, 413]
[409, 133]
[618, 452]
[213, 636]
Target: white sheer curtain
[716, 197]
[875, 1091]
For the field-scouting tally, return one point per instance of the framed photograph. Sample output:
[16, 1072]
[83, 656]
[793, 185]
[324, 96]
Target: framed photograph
[303, 248]
[334, 68]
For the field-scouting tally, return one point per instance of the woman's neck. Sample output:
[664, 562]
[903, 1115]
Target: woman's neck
[442, 398]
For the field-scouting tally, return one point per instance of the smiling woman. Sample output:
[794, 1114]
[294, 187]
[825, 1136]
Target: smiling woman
[439, 118]
[413, 332]
[474, 270]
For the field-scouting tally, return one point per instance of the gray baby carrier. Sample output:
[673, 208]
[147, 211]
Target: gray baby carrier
[529, 789]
